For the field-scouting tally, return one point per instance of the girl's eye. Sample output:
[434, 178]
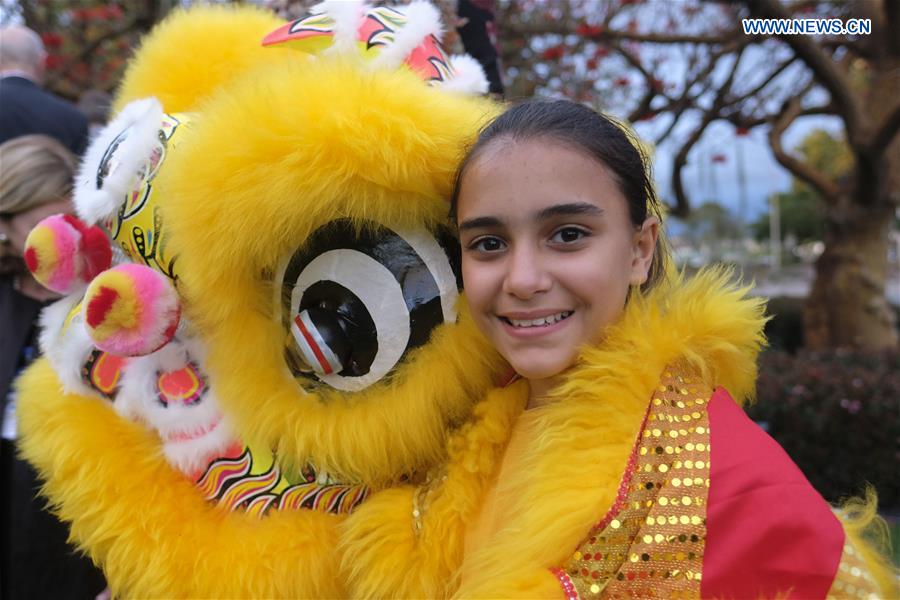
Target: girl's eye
[487, 244]
[568, 235]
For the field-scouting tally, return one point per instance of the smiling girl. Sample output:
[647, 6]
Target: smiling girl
[551, 244]
[616, 463]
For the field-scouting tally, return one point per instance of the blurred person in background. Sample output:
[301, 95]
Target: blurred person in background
[36, 174]
[26, 108]
[95, 105]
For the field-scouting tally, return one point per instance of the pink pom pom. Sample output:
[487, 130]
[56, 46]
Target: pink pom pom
[63, 253]
[131, 310]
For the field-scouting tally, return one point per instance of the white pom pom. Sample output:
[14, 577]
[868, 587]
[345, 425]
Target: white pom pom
[468, 76]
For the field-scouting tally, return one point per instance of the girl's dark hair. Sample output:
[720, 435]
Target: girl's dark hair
[598, 136]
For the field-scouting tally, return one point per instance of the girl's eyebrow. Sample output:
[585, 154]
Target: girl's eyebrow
[479, 222]
[567, 209]
[570, 208]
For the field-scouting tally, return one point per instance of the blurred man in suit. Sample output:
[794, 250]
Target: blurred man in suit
[25, 108]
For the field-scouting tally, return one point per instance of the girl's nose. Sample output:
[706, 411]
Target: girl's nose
[526, 274]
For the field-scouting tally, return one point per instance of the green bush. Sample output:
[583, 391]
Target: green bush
[784, 330]
[837, 414]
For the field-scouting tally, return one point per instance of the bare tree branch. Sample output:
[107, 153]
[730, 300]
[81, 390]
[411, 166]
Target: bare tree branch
[821, 65]
[819, 181]
[778, 71]
[676, 112]
[563, 27]
[682, 203]
[643, 107]
[745, 122]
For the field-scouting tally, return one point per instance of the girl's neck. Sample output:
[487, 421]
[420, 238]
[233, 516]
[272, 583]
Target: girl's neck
[539, 391]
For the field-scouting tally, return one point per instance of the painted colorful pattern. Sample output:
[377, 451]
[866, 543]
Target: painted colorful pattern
[650, 544]
[186, 385]
[138, 228]
[253, 483]
[102, 372]
[378, 30]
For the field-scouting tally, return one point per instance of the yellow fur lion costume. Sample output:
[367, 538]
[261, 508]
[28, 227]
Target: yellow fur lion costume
[278, 335]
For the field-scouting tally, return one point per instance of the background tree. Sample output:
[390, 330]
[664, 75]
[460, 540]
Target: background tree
[686, 65]
[801, 216]
[801, 208]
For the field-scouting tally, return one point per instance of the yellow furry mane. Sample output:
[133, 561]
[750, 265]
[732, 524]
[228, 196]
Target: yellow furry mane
[224, 40]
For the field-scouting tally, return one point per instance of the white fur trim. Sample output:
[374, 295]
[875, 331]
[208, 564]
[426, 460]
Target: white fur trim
[347, 16]
[468, 76]
[193, 455]
[191, 434]
[423, 19]
[144, 118]
[66, 350]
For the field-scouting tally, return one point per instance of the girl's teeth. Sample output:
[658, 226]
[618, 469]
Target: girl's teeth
[548, 320]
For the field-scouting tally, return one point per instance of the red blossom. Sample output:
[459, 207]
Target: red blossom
[719, 158]
[601, 52]
[586, 30]
[96, 13]
[114, 11]
[741, 131]
[51, 39]
[53, 61]
[554, 53]
[622, 81]
[592, 63]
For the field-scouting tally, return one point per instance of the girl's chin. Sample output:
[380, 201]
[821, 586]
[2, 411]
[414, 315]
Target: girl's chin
[541, 371]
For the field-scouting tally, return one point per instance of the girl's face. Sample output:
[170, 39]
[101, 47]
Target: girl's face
[549, 251]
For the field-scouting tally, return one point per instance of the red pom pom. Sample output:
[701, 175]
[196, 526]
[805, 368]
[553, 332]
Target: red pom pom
[96, 251]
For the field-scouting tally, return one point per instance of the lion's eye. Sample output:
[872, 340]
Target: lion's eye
[356, 300]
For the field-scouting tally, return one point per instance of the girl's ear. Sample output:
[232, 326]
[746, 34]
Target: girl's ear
[643, 246]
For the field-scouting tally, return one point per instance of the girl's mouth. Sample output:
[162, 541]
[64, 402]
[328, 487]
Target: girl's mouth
[537, 323]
